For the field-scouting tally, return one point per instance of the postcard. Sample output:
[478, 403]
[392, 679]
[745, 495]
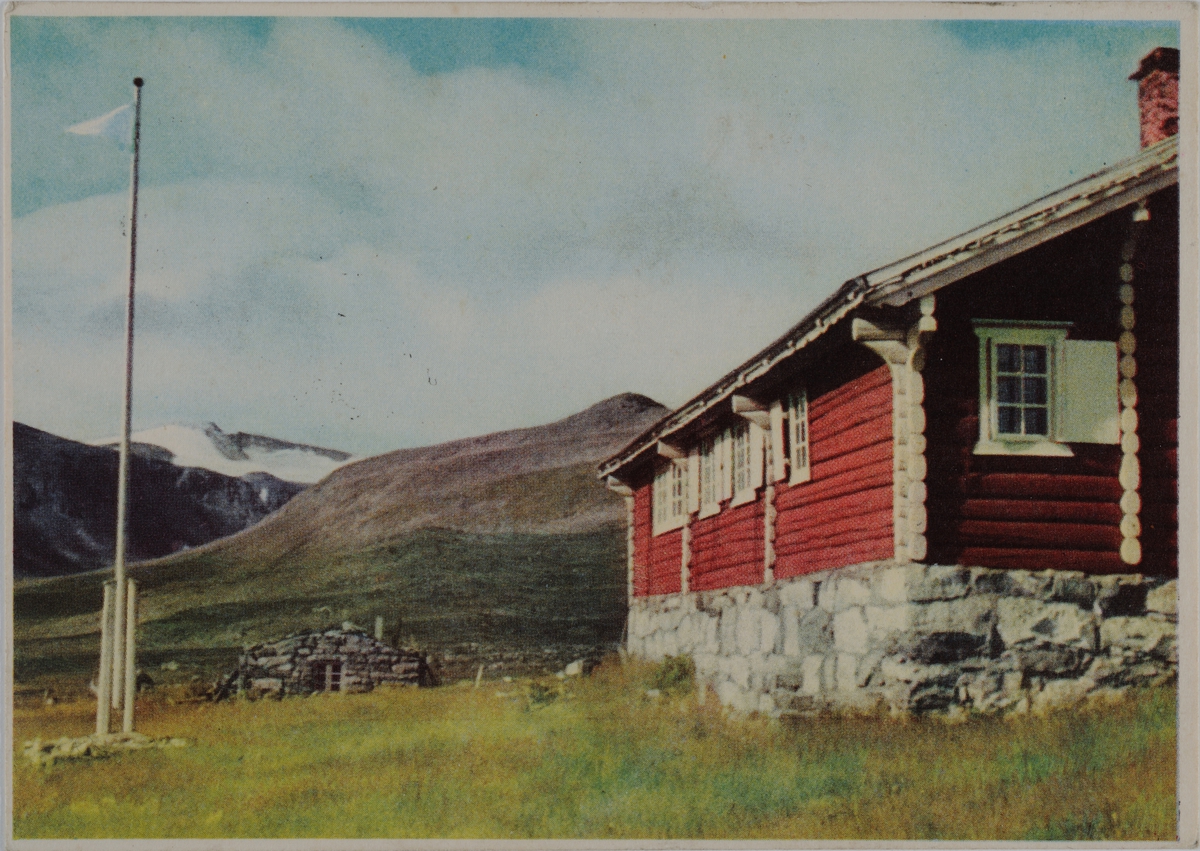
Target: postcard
[600, 425]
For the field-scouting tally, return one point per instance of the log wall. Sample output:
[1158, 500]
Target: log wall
[1042, 512]
[727, 548]
[656, 558]
[844, 514]
[1156, 304]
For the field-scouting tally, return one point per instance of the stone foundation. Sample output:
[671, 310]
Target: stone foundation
[917, 638]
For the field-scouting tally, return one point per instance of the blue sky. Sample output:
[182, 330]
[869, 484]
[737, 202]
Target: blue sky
[377, 233]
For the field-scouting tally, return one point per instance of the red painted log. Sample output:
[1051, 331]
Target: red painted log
[1074, 536]
[1044, 511]
[1161, 513]
[865, 480]
[798, 564]
[1158, 431]
[850, 392]
[727, 578]
[641, 541]
[1159, 463]
[1089, 561]
[828, 447]
[844, 516]
[878, 454]
[879, 530]
[1043, 486]
[829, 419]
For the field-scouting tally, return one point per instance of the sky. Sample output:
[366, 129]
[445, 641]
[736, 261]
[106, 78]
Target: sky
[370, 234]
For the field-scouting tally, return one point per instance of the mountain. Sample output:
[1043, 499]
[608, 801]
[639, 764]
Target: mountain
[65, 504]
[208, 447]
[533, 480]
[504, 550]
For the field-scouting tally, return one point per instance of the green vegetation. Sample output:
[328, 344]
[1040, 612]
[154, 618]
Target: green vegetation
[599, 757]
[434, 588]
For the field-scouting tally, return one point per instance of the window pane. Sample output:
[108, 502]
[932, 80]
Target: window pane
[1034, 391]
[1035, 359]
[1008, 358]
[1008, 389]
[1008, 419]
[1036, 421]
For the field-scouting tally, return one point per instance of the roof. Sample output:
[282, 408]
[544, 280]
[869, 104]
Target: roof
[1127, 182]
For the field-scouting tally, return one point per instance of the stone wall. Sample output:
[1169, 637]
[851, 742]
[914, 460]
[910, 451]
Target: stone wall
[297, 664]
[917, 638]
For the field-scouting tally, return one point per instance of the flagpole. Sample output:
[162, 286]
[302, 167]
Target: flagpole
[123, 656]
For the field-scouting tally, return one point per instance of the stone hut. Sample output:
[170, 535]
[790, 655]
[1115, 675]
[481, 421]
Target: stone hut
[343, 660]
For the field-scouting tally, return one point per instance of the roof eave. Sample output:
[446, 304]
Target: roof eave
[922, 273]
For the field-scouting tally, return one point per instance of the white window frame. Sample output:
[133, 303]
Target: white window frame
[670, 496]
[799, 444]
[709, 479]
[993, 333]
[746, 457]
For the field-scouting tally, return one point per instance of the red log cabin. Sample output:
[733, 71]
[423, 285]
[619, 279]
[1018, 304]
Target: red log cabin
[1008, 398]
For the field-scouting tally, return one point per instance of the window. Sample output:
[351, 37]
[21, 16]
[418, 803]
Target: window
[739, 435]
[798, 437]
[670, 496]
[748, 440]
[1039, 391]
[710, 477]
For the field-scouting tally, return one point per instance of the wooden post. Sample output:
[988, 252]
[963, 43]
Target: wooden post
[130, 661]
[118, 632]
[379, 628]
[104, 694]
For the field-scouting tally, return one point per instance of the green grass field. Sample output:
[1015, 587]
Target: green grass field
[599, 758]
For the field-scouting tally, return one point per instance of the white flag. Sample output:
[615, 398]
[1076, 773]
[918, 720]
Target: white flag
[116, 126]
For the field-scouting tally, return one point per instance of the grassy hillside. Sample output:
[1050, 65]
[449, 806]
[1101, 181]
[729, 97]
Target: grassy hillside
[507, 541]
[599, 758]
[437, 589]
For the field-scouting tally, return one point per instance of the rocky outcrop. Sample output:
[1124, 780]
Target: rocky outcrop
[65, 504]
[343, 660]
[96, 746]
[918, 638]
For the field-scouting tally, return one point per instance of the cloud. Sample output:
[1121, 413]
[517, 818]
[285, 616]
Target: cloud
[339, 248]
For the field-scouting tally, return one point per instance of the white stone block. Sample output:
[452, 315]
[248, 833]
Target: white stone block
[1144, 634]
[728, 630]
[727, 692]
[712, 635]
[1164, 598]
[798, 593]
[827, 594]
[891, 585]
[811, 674]
[670, 643]
[847, 667]
[850, 631]
[789, 622]
[707, 666]
[1057, 694]
[884, 621]
[829, 673]
[974, 615]
[852, 592]
[1025, 620]
[749, 630]
[770, 630]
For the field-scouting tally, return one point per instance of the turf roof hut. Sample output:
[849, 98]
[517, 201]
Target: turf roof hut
[979, 405]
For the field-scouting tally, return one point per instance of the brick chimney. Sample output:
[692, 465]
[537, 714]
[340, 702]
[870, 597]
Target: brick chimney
[1158, 94]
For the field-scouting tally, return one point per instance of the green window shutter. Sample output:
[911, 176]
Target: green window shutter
[1087, 390]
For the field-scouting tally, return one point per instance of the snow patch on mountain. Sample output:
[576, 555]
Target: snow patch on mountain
[236, 454]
